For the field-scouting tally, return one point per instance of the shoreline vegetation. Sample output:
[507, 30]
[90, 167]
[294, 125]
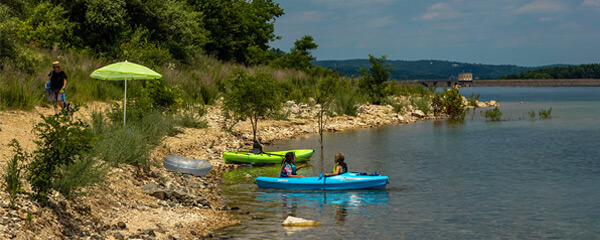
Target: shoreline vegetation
[125, 205]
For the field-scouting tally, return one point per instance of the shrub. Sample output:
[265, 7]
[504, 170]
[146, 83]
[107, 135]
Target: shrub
[190, 117]
[11, 176]
[422, 104]
[545, 114]
[347, 98]
[83, 172]
[118, 145]
[452, 104]
[62, 142]
[532, 114]
[473, 99]
[493, 115]
[18, 95]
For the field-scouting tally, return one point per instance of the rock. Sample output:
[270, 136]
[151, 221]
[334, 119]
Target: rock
[121, 225]
[150, 232]
[418, 113]
[299, 222]
[493, 103]
[178, 194]
[151, 187]
[248, 176]
[160, 194]
[174, 237]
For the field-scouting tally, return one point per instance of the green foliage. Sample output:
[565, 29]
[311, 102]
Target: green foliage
[347, 98]
[18, 95]
[422, 103]
[140, 50]
[545, 114]
[299, 57]
[240, 30]
[372, 80]
[83, 172]
[473, 99]
[424, 69]
[253, 96]
[190, 117]
[46, 26]
[161, 96]
[563, 72]
[493, 115]
[61, 142]
[131, 145]
[11, 176]
[450, 103]
[117, 145]
[532, 114]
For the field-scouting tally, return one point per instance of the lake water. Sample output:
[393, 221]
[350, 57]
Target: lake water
[520, 178]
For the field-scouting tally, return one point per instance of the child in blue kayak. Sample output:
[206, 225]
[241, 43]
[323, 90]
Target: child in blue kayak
[289, 167]
[339, 167]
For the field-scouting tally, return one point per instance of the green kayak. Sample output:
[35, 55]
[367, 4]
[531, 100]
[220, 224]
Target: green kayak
[302, 155]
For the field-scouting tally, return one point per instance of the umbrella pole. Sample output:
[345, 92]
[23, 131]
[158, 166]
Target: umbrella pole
[125, 104]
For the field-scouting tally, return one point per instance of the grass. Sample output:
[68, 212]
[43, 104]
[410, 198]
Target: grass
[493, 115]
[545, 114]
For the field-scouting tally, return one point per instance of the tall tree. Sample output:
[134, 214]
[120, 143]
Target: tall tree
[253, 96]
[372, 80]
[240, 30]
[300, 56]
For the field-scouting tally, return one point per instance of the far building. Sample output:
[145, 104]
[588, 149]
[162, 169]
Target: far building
[465, 79]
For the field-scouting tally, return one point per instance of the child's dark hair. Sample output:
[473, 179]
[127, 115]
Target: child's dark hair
[339, 157]
[288, 157]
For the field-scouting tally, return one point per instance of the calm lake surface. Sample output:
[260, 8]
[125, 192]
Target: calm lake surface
[519, 178]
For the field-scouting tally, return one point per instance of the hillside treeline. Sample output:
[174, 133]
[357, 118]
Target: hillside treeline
[426, 69]
[567, 72]
[150, 32]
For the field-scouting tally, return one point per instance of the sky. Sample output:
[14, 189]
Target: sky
[516, 32]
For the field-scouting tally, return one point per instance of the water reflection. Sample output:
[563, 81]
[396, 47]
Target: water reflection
[353, 203]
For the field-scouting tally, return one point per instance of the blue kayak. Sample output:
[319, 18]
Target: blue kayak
[346, 181]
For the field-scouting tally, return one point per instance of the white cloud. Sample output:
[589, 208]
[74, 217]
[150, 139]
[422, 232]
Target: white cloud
[351, 3]
[438, 11]
[306, 17]
[540, 6]
[379, 22]
[595, 3]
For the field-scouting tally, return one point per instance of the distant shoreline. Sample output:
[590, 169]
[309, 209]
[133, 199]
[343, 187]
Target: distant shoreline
[511, 83]
[538, 83]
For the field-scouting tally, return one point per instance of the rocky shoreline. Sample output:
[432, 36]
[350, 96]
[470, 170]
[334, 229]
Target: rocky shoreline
[158, 204]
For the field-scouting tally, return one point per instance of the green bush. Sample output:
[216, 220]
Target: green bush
[118, 145]
[347, 98]
[532, 114]
[11, 175]
[452, 104]
[18, 95]
[545, 114]
[493, 115]
[62, 142]
[83, 172]
[190, 117]
[473, 99]
[422, 103]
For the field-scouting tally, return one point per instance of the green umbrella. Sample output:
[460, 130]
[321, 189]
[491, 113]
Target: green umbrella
[124, 71]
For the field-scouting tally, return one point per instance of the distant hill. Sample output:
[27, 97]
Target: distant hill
[583, 71]
[428, 69]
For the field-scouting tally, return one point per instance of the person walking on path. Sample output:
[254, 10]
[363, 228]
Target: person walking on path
[58, 83]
